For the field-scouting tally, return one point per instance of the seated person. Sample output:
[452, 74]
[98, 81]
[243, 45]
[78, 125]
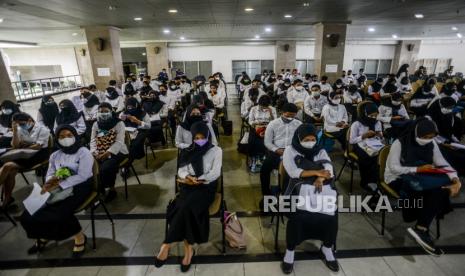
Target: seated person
[260, 116]
[114, 99]
[247, 105]
[158, 113]
[351, 99]
[305, 161]
[393, 115]
[420, 100]
[335, 118]
[91, 103]
[183, 137]
[405, 87]
[374, 90]
[217, 98]
[366, 136]
[48, 112]
[27, 134]
[278, 135]
[297, 94]
[56, 220]
[189, 219]
[451, 130]
[69, 115]
[8, 110]
[313, 105]
[108, 147]
[409, 162]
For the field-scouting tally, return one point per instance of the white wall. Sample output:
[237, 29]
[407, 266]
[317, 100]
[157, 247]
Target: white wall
[453, 50]
[221, 56]
[366, 51]
[305, 50]
[63, 57]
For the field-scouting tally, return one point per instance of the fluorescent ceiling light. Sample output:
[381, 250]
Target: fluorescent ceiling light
[394, 36]
[166, 31]
[268, 30]
[1, 20]
[306, 4]
[459, 35]
[454, 28]
[248, 9]
[419, 15]
[287, 16]
[143, 54]
[74, 34]
[16, 44]
[137, 18]
[173, 11]
[257, 37]
[182, 38]
[371, 29]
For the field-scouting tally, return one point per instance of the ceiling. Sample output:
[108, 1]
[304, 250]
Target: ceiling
[55, 21]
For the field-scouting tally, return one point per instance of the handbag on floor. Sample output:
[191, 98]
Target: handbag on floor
[234, 232]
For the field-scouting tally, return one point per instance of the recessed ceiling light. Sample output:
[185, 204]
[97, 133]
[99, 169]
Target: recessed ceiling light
[454, 28]
[166, 31]
[257, 37]
[459, 35]
[137, 18]
[248, 9]
[371, 29]
[173, 11]
[112, 8]
[1, 20]
[419, 15]
[143, 54]
[288, 16]
[182, 38]
[394, 36]
[306, 4]
[268, 29]
[74, 34]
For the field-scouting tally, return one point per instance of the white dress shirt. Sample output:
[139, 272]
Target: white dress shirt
[314, 106]
[258, 116]
[79, 125]
[118, 146]
[39, 134]
[212, 163]
[183, 138]
[278, 135]
[291, 168]
[333, 114]
[296, 97]
[385, 115]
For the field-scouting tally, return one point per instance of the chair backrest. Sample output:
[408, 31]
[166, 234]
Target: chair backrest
[382, 158]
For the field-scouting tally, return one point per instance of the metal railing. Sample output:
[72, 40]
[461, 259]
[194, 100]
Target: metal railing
[33, 89]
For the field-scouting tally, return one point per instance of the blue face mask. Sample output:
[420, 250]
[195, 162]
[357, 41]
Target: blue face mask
[201, 142]
[26, 126]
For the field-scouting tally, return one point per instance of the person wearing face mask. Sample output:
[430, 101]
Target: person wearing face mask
[70, 116]
[89, 111]
[352, 98]
[259, 117]
[27, 134]
[108, 147]
[56, 220]
[145, 90]
[137, 123]
[402, 72]
[394, 116]
[245, 83]
[217, 97]
[297, 94]
[157, 110]
[349, 78]
[335, 118]
[338, 85]
[163, 76]
[389, 88]
[256, 84]
[405, 87]
[313, 105]
[206, 106]
[186, 87]
[174, 91]
[7, 110]
[448, 90]
[188, 219]
[278, 135]
[374, 90]
[183, 137]
[100, 94]
[114, 99]
[409, 167]
[113, 83]
[246, 106]
[420, 100]
[130, 90]
[366, 136]
[48, 112]
[325, 86]
[171, 104]
[311, 172]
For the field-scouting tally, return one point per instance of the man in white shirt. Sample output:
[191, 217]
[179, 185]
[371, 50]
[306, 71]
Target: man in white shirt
[278, 135]
[325, 86]
[314, 104]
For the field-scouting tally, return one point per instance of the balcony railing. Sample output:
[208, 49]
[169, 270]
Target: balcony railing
[33, 89]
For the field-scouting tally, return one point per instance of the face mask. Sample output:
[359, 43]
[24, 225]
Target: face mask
[7, 111]
[315, 94]
[396, 103]
[104, 116]
[201, 142]
[132, 111]
[50, 103]
[308, 145]
[423, 142]
[446, 111]
[287, 120]
[336, 101]
[67, 142]
[338, 85]
[196, 118]
[299, 88]
[287, 84]
[26, 126]
[173, 87]
[163, 92]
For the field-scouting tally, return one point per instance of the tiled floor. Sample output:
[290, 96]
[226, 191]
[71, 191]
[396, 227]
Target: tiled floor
[361, 249]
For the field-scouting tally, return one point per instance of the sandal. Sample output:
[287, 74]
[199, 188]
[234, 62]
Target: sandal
[77, 254]
[38, 247]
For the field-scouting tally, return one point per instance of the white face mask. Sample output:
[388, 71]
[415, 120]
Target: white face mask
[67, 142]
[299, 88]
[422, 141]
[7, 111]
[396, 103]
[308, 145]
[315, 93]
[446, 111]
[336, 101]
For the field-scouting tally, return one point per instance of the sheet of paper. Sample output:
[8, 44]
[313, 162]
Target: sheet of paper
[374, 143]
[155, 117]
[3, 150]
[458, 146]
[35, 200]
[103, 72]
[130, 129]
[331, 68]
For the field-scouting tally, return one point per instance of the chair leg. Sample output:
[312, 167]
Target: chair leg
[146, 158]
[92, 219]
[342, 169]
[276, 247]
[153, 153]
[383, 221]
[351, 178]
[126, 185]
[438, 228]
[135, 174]
[25, 179]
[223, 238]
[106, 212]
[9, 217]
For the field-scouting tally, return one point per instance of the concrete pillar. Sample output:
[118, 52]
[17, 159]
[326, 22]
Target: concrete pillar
[285, 55]
[157, 57]
[106, 61]
[6, 90]
[406, 52]
[330, 43]
[84, 64]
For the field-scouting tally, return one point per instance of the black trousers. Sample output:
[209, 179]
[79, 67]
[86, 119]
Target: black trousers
[109, 169]
[136, 149]
[155, 133]
[369, 168]
[256, 144]
[455, 157]
[340, 136]
[271, 162]
[303, 225]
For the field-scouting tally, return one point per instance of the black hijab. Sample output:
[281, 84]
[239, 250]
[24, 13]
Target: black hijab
[136, 112]
[444, 122]
[331, 96]
[377, 85]
[49, 111]
[366, 109]
[208, 103]
[110, 123]
[153, 104]
[112, 93]
[190, 120]
[300, 133]
[68, 113]
[73, 148]
[5, 120]
[92, 100]
[193, 155]
[412, 153]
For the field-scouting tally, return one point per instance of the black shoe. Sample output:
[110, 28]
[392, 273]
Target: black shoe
[111, 195]
[78, 254]
[185, 268]
[287, 268]
[38, 247]
[423, 238]
[332, 265]
[124, 173]
[159, 263]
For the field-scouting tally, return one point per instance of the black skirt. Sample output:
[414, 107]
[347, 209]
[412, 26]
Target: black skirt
[188, 218]
[57, 221]
[42, 155]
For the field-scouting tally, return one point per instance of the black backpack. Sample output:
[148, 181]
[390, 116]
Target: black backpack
[129, 88]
